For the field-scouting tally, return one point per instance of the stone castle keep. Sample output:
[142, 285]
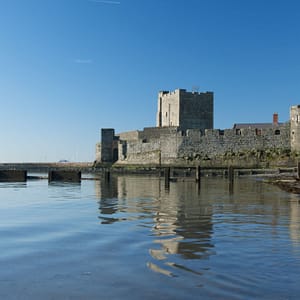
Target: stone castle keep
[184, 135]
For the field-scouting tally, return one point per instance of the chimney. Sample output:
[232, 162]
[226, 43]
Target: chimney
[275, 119]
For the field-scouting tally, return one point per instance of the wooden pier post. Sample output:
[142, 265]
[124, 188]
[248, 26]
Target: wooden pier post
[231, 178]
[298, 170]
[107, 175]
[167, 177]
[198, 176]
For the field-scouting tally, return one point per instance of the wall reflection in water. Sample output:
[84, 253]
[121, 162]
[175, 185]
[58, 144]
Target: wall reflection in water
[295, 220]
[107, 192]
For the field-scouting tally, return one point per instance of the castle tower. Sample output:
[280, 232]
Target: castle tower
[295, 128]
[108, 150]
[186, 110]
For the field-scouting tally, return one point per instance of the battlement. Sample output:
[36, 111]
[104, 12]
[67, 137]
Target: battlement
[182, 92]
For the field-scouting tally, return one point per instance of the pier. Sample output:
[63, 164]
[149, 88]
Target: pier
[18, 172]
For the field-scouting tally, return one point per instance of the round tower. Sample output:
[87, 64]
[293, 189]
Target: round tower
[295, 128]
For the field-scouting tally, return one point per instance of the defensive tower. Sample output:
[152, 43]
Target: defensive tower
[295, 128]
[186, 110]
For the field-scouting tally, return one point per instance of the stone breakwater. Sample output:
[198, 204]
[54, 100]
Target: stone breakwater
[45, 167]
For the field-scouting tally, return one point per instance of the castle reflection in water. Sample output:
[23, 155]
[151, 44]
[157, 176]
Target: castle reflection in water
[183, 217]
[181, 222]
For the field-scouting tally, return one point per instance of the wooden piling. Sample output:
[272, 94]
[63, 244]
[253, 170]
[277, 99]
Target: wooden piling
[13, 176]
[198, 177]
[64, 175]
[231, 178]
[107, 175]
[167, 177]
[198, 174]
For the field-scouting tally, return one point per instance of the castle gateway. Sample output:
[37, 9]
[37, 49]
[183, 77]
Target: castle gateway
[184, 135]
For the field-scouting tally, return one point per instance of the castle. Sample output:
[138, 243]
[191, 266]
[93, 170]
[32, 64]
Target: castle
[184, 135]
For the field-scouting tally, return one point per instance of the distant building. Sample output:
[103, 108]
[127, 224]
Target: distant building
[260, 127]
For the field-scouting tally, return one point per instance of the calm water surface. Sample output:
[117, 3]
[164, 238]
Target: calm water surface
[133, 239]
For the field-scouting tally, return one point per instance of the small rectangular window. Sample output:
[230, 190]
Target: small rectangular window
[258, 131]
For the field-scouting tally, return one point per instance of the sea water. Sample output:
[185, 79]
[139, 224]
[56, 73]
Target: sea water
[134, 238]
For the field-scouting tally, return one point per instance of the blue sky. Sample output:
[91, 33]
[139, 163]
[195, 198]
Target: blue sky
[70, 67]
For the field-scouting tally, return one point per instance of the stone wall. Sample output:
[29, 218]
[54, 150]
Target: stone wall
[139, 152]
[208, 147]
[245, 146]
[217, 142]
[150, 133]
[129, 135]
